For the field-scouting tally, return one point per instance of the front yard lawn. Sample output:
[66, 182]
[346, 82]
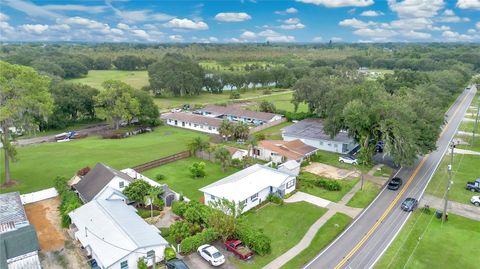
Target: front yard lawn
[285, 225]
[178, 177]
[333, 227]
[467, 126]
[384, 171]
[464, 168]
[333, 196]
[362, 198]
[38, 165]
[274, 132]
[426, 243]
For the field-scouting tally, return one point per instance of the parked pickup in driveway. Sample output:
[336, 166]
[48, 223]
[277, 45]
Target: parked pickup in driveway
[239, 249]
[473, 186]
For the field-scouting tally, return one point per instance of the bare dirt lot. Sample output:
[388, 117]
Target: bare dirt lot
[57, 249]
[329, 171]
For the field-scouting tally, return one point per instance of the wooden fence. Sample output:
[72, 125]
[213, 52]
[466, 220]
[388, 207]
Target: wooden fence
[156, 163]
[266, 125]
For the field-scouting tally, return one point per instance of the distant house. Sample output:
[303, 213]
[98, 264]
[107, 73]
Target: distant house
[311, 132]
[290, 167]
[18, 239]
[237, 153]
[104, 182]
[251, 185]
[192, 121]
[279, 151]
[235, 113]
[114, 236]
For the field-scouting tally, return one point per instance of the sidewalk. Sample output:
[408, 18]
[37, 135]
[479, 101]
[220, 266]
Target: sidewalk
[464, 210]
[465, 151]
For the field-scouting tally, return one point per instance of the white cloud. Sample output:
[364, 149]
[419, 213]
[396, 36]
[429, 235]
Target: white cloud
[411, 23]
[273, 36]
[186, 24]
[34, 28]
[248, 35]
[213, 39]
[138, 15]
[116, 31]
[438, 28]
[454, 36]
[416, 8]
[123, 26]
[416, 35]
[141, 33]
[339, 3]
[292, 21]
[449, 16]
[471, 31]
[371, 13]
[176, 38]
[233, 40]
[477, 25]
[292, 26]
[232, 17]
[4, 17]
[317, 39]
[60, 27]
[290, 10]
[354, 23]
[80, 21]
[31, 9]
[375, 33]
[468, 4]
[81, 8]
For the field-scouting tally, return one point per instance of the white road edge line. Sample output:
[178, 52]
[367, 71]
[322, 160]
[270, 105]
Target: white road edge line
[421, 196]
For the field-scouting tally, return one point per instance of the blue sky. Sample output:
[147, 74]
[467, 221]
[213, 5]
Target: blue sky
[235, 21]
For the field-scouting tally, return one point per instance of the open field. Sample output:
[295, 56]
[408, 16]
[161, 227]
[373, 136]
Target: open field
[233, 66]
[333, 227]
[95, 78]
[277, 222]
[38, 165]
[178, 177]
[283, 102]
[464, 168]
[334, 196]
[425, 243]
[362, 198]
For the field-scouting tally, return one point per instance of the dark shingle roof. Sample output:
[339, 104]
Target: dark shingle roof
[17, 242]
[313, 129]
[192, 118]
[95, 180]
[11, 209]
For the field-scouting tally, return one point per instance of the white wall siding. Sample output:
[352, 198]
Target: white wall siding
[193, 126]
[133, 257]
[107, 191]
[326, 145]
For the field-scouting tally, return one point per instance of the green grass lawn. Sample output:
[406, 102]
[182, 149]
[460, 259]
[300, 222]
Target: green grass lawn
[285, 225]
[274, 132]
[178, 177]
[363, 198]
[95, 78]
[334, 196]
[333, 227]
[465, 168]
[467, 126]
[38, 165]
[283, 102]
[426, 243]
[472, 144]
[384, 171]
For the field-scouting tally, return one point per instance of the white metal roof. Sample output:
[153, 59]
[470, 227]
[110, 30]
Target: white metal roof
[247, 182]
[113, 230]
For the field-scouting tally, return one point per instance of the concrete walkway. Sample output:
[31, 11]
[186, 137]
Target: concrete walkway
[465, 210]
[465, 151]
[465, 133]
[468, 119]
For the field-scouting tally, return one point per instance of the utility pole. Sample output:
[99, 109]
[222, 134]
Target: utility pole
[444, 215]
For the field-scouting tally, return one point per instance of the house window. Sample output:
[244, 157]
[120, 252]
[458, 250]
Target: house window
[124, 265]
[212, 197]
[291, 183]
[254, 197]
[150, 254]
[246, 201]
[209, 128]
[121, 184]
[195, 125]
[321, 143]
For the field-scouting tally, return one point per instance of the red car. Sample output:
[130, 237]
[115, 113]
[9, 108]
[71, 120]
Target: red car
[239, 249]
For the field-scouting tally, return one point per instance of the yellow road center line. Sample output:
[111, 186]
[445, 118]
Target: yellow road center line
[399, 195]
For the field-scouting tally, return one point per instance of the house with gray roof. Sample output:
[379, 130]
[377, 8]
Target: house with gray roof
[236, 113]
[18, 238]
[115, 236]
[311, 132]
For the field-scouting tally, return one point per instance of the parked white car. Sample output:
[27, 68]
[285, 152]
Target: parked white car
[348, 159]
[475, 200]
[211, 255]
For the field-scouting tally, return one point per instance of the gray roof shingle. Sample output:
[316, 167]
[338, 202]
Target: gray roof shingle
[17, 242]
[11, 209]
[313, 129]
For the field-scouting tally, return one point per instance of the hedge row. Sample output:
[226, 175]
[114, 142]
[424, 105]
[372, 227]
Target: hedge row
[255, 239]
[191, 243]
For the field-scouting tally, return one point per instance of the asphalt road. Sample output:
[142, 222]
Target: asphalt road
[370, 234]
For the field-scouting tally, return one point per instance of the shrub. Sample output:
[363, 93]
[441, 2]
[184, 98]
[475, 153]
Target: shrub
[267, 91]
[191, 243]
[236, 163]
[193, 215]
[69, 202]
[141, 264]
[266, 106]
[260, 136]
[179, 208]
[234, 95]
[60, 184]
[165, 231]
[83, 171]
[275, 199]
[160, 177]
[169, 253]
[180, 230]
[198, 169]
[255, 239]
[331, 185]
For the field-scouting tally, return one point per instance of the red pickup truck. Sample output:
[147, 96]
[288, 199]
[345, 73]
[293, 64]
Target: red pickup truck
[239, 249]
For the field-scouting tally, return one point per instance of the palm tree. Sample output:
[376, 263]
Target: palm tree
[153, 198]
[225, 129]
[251, 144]
[197, 144]
[223, 156]
[241, 130]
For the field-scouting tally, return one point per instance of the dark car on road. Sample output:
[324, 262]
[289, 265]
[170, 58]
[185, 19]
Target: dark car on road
[409, 204]
[176, 264]
[394, 183]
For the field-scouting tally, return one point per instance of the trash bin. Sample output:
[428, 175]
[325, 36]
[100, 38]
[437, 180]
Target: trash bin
[438, 214]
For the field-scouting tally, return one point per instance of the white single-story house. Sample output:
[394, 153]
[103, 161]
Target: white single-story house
[192, 121]
[311, 132]
[290, 167]
[236, 113]
[115, 236]
[237, 153]
[251, 185]
[279, 151]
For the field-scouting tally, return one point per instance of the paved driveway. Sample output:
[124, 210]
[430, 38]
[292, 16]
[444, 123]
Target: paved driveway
[194, 261]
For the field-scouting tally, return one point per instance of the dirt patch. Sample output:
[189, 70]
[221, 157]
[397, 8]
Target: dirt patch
[44, 216]
[329, 171]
